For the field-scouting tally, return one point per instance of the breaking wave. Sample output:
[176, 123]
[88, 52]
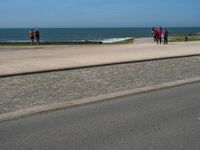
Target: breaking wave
[116, 40]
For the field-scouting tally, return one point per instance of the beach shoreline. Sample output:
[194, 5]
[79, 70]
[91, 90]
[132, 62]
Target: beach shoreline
[127, 40]
[82, 36]
[112, 41]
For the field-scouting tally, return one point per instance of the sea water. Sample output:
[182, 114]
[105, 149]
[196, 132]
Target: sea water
[81, 34]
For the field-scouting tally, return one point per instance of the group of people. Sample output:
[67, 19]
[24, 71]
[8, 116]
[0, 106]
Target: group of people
[34, 35]
[159, 34]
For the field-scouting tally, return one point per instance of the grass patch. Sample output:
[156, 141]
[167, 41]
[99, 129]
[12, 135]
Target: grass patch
[15, 44]
[49, 43]
[182, 38]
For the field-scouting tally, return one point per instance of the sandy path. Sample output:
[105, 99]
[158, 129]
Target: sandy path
[30, 59]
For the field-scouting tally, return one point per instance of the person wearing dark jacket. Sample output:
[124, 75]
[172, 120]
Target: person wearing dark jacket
[166, 34]
[37, 36]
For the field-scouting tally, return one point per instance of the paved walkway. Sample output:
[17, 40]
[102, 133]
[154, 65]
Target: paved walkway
[35, 90]
[16, 60]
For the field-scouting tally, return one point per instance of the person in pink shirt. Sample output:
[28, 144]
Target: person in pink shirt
[159, 35]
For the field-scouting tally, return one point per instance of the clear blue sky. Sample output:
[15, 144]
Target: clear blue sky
[99, 13]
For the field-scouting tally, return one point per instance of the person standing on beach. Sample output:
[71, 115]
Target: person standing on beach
[32, 36]
[166, 34]
[153, 32]
[157, 30]
[159, 35]
[37, 36]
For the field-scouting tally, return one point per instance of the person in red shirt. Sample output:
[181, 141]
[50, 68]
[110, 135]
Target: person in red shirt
[159, 34]
[156, 34]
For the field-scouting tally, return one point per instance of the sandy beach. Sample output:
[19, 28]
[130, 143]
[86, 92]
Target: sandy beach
[23, 59]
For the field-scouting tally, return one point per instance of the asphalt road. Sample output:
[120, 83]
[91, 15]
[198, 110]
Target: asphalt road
[162, 120]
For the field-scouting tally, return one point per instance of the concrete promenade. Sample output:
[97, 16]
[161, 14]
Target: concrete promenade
[27, 59]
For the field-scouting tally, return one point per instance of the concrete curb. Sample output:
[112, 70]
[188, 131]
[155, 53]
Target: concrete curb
[95, 65]
[84, 101]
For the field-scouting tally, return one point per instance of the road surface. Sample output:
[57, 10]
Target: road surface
[162, 120]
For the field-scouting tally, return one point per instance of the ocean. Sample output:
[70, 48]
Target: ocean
[82, 34]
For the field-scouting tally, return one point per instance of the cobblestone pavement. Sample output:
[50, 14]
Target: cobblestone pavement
[22, 92]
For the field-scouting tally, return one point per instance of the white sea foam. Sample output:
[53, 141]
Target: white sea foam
[115, 40]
